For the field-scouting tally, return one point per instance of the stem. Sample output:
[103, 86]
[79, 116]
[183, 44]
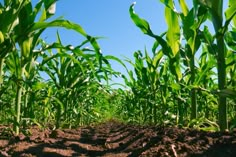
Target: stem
[18, 102]
[193, 91]
[1, 71]
[221, 67]
[26, 107]
[180, 112]
[18, 109]
[154, 105]
[155, 113]
[1, 66]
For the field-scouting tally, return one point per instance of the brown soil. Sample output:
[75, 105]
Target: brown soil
[115, 139]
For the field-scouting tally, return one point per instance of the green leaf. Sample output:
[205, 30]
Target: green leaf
[59, 103]
[1, 80]
[230, 12]
[141, 23]
[175, 68]
[37, 9]
[58, 23]
[205, 69]
[25, 16]
[178, 72]
[216, 12]
[232, 4]
[188, 23]
[110, 57]
[157, 59]
[230, 38]
[154, 47]
[145, 76]
[145, 28]
[165, 47]
[173, 32]
[168, 3]
[175, 86]
[148, 60]
[207, 36]
[10, 17]
[69, 25]
[226, 93]
[97, 49]
[206, 3]
[184, 7]
[39, 85]
[50, 7]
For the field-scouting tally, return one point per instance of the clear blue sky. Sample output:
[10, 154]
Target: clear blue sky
[110, 19]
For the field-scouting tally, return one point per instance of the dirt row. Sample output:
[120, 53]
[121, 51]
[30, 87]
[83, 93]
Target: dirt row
[116, 139]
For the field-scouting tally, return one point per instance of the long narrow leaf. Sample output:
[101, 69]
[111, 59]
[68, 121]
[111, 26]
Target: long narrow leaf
[184, 7]
[58, 23]
[145, 28]
[173, 32]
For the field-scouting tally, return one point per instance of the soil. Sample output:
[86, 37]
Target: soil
[115, 139]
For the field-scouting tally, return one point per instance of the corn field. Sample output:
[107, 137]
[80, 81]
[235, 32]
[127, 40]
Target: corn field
[187, 79]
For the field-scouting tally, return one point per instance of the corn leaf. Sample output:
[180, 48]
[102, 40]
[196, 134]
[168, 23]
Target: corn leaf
[184, 7]
[58, 23]
[173, 32]
[230, 14]
[175, 68]
[157, 59]
[141, 23]
[110, 57]
[168, 3]
[145, 28]
[50, 7]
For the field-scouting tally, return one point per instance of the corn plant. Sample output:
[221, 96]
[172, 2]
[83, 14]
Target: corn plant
[73, 70]
[150, 85]
[215, 9]
[24, 28]
[192, 20]
[171, 46]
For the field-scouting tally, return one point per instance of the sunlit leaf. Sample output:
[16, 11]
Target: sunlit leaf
[50, 7]
[168, 3]
[141, 23]
[110, 57]
[157, 59]
[145, 28]
[175, 86]
[184, 7]
[173, 32]
[58, 23]
[230, 13]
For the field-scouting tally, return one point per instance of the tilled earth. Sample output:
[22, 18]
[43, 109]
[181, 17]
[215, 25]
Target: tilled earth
[114, 139]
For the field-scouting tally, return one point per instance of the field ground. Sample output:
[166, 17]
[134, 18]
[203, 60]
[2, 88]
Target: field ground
[113, 138]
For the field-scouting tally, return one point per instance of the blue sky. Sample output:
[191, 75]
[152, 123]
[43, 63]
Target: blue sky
[110, 19]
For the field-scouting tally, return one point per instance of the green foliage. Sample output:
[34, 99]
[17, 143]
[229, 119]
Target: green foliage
[194, 75]
[74, 72]
[175, 84]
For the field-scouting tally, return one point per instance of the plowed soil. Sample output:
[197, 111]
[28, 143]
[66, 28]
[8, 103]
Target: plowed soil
[115, 139]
